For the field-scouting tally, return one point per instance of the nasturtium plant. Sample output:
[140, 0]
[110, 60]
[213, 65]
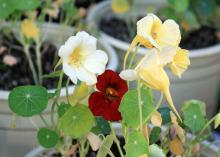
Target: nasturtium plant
[103, 125]
[155, 135]
[129, 107]
[77, 121]
[165, 114]
[136, 144]
[6, 8]
[156, 151]
[47, 138]
[62, 108]
[217, 120]
[193, 113]
[28, 101]
[106, 146]
[27, 4]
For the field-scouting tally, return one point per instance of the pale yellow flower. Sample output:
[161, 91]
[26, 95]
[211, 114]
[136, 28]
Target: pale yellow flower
[150, 70]
[180, 62]
[29, 29]
[157, 33]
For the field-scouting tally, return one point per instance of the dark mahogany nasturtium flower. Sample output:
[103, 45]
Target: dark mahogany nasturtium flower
[105, 102]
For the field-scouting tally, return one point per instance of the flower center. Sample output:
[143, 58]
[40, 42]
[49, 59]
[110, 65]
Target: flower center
[154, 35]
[75, 57]
[111, 93]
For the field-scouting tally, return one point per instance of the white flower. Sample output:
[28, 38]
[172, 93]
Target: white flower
[81, 60]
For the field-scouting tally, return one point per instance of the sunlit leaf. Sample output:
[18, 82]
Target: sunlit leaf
[77, 121]
[156, 151]
[136, 145]
[130, 110]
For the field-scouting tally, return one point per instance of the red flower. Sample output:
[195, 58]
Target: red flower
[106, 101]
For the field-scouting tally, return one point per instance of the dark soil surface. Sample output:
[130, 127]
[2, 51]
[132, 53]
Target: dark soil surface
[20, 73]
[201, 38]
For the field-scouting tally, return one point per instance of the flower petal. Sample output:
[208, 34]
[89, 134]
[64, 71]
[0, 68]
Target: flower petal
[129, 75]
[96, 62]
[111, 79]
[69, 71]
[69, 46]
[94, 141]
[167, 54]
[88, 42]
[85, 76]
[98, 103]
[180, 62]
[169, 34]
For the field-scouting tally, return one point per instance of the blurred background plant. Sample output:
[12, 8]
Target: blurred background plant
[192, 14]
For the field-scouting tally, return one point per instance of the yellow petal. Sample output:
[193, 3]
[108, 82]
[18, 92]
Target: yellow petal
[148, 27]
[169, 34]
[156, 119]
[180, 62]
[153, 74]
[120, 6]
[29, 29]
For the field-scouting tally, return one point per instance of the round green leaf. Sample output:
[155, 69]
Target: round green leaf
[129, 107]
[27, 101]
[47, 138]
[156, 151]
[6, 8]
[77, 121]
[27, 4]
[62, 108]
[155, 135]
[103, 125]
[193, 115]
[165, 114]
[136, 145]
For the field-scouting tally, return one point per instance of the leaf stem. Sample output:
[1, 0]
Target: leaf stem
[44, 120]
[30, 62]
[116, 140]
[133, 55]
[140, 105]
[39, 62]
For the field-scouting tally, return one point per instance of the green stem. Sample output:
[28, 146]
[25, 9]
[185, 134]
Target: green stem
[116, 140]
[204, 129]
[156, 108]
[133, 56]
[67, 91]
[39, 62]
[59, 86]
[140, 105]
[31, 64]
[44, 120]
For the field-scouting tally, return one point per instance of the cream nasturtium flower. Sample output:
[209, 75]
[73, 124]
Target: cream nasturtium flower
[150, 70]
[81, 60]
[29, 29]
[151, 32]
[158, 34]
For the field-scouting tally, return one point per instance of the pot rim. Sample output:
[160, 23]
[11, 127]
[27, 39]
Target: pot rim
[112, 64]
[195, 53]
